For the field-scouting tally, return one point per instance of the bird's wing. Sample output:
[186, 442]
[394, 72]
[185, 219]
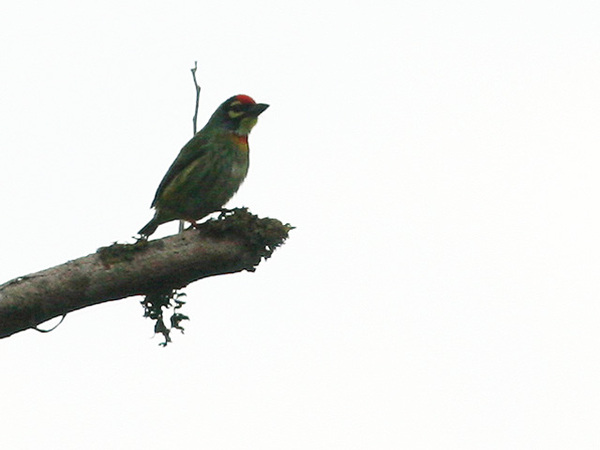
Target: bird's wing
[191, 151]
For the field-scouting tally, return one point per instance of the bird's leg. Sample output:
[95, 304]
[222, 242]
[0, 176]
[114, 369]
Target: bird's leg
[193, 225]
[223, 213]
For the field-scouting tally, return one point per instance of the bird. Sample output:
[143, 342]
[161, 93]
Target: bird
[210, 168]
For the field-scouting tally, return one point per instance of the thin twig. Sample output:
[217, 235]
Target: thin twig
[197, 96]
[195, 120]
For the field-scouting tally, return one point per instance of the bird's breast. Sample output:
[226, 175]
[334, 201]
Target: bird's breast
[239, 170]
[240, 141]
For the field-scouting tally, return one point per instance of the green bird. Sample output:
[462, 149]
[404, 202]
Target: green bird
[210, 168]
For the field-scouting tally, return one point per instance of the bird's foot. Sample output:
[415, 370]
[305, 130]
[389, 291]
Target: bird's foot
[224, 212]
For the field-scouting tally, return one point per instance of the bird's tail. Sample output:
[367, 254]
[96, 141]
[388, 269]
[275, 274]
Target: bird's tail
[149, 228]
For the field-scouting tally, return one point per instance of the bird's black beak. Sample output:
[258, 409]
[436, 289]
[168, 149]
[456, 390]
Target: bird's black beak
[256, 110]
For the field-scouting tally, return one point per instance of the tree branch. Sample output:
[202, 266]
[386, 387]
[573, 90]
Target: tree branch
[195, 119]
[227, 245]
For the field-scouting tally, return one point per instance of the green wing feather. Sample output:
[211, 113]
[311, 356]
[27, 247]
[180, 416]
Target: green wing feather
[193, 150]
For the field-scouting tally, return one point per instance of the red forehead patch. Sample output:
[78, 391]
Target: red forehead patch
[245, 100]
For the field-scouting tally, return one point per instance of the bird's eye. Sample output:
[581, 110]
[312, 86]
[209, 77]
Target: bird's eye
[236, 109]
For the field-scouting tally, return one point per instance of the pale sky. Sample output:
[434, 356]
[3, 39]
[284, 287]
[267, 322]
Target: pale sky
[440, 162]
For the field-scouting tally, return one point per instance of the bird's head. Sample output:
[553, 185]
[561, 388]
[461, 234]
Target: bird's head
[238, 114]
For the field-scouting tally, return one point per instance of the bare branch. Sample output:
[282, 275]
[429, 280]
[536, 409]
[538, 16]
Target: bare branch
[197, 96]
[195, 119]
[238, 242]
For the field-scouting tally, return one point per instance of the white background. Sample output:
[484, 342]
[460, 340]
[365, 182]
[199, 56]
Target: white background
[440, 161]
